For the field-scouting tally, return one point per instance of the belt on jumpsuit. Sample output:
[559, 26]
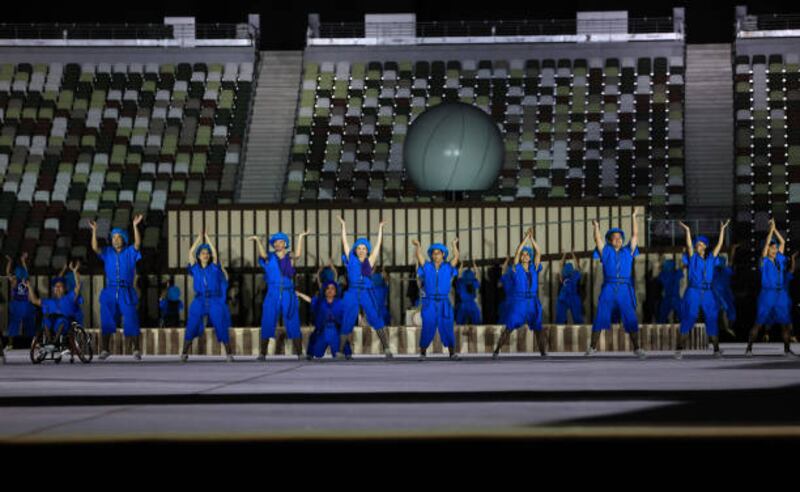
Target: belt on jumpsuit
[703, 286]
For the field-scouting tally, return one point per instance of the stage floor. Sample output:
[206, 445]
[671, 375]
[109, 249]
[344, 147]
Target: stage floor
[611, 394]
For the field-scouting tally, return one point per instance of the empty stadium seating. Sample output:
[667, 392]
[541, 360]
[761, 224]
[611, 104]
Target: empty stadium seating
[598, 128]
[81, 142]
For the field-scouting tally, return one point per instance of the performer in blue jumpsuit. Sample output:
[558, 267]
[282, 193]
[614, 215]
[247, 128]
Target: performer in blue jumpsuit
[70, 279]
[569, 298]
[62, 302]
[327, 274]
[670, 279]
[774, 303]
[281, 299]
[360, 261]
[437, 276]
[507, 283]
[526, 307]
[326, 311]
[210, 283]
[699, 294]
[21, 313]
[119, 297]
[617, 292]
[467, 285]
[721, 286]
[382, 296]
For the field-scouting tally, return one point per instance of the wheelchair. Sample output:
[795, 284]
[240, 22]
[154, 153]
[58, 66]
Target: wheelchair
[75, 342]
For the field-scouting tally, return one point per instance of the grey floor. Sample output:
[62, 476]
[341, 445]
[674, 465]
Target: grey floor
[207, 398]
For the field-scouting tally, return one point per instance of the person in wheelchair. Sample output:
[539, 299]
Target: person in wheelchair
[59, 310]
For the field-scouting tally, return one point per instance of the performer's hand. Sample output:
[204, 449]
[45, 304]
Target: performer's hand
[93, 225]
[138, 219]
[306, 232]
[383, 223]
[636, 212]
[530, 232]
[723, 225]
[415, 242]
[680, 223]
[596, 224]
[341, 220]
[253, 238]
[455, 242]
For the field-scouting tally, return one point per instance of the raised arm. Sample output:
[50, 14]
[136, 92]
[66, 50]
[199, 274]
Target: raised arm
[456, 253]
[689, 245]
[345, 246]
[302, 296]
[598, 237]
[537, 258]
[635, 230]
[224, 271]
[193, 247]
[721, 239]
[575, 261]
[299, 252]
[137, 238]
[261, 251]
[95, 246]
[213, 249]
[32, 297]
[781, 241]
[769, 238]
[75, 267]
[376, 251]
[418, 252]
[521, 245]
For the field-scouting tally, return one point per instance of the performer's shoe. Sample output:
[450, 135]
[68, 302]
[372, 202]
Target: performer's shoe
[261, 358]
[300, 357]
[495, 355]
[184, 357]
[340, 356]
[454, 356]
[348, 356]
[544, 355]
[748, 353]
[104, 355]
[309, 357]
[229, 358]
[640, 354]
[388, 354]
[678, 355]
[137, 355]
[718, 354]
[422, 357]
[590, 352]
[789, 353]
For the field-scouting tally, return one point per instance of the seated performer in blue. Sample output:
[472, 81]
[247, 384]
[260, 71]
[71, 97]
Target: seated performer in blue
[467, 287]
[281, 299]
[326, 312]
[21, 313]
[437, 276]
[721, 286]
[699, 294]
[617, 292]
[210, 283]
[569, 298]
[774, 302]
[525, 305]
[360, 261]
[61, 303]
[119, 297]
[670, 279]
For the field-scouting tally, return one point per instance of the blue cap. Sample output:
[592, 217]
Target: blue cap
[200, 248]
[173, 293]
[701, 239]
[279, 236]
[360, 241]
[568, 269]
[326, 284]
[668, 265]
[615, 230]
[529, 250]
[21, 273]
[57, 280]
[441, 247]
[468, 275]
[121, 232]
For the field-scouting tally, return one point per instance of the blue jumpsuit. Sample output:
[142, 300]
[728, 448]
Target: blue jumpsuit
[617, 291]
[70, 277]
[437, 311]
[210, 299]
[699, 294]
[721, 286]
[507, 280]
[119, 297]
[21, 312]
[281, 298]
[65, 305]
[774, 303]
[382, 296]
[568, 297]
[327, 322]
[467, 311]
[360, 294]
[526, 307]
[670, 279]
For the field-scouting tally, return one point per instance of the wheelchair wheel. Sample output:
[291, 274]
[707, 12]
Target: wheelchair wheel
[37, 349]
[80, 344]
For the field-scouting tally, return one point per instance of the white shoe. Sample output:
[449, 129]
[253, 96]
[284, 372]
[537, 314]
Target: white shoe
[590, 352]
[137, 355]
[455, 356]
[104, 355]
[678, 355]
[495, 355]
[422, 357]
[718, 354]
[748, 353]
[184, 357]
[388, 354]
[640, 354]
[340, 356]
[261, 358]
[229, 358]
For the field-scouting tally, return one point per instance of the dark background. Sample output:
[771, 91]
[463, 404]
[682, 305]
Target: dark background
[283, 24]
